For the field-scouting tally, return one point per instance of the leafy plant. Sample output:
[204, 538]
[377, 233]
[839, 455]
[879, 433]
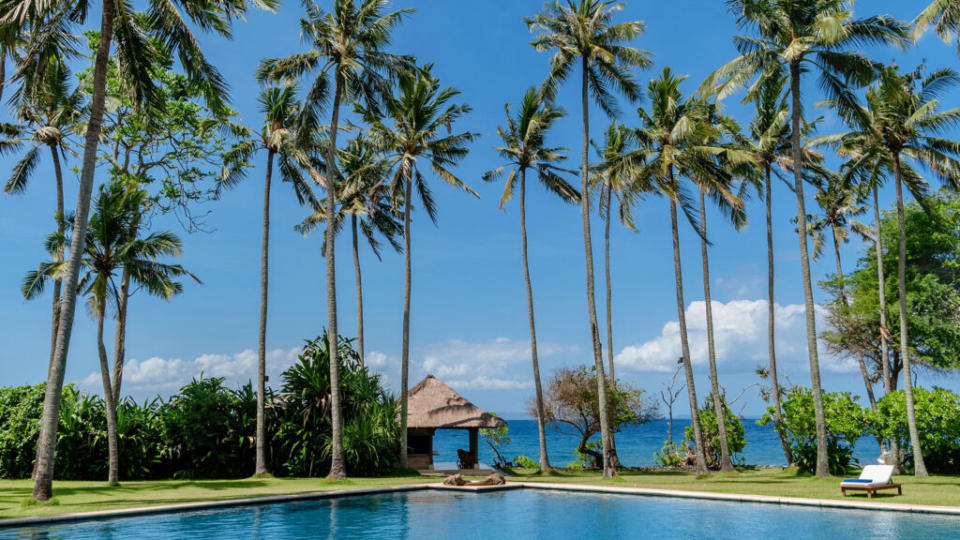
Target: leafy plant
[938, 424]
[668, 455]
[711, 438]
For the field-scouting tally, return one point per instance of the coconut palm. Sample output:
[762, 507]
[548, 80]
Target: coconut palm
[279, 138]
[900, 126]
[793, 37]
[113, 245]
[584, 32]
[524, 147]
[943, 16]
[167, 21]
[416, 129]
[365, 197]
[347, 45]
[47, 116]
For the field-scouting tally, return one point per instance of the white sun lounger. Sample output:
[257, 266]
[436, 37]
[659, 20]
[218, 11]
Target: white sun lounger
[872, 479]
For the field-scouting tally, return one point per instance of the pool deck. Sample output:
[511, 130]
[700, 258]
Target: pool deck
[730, 497]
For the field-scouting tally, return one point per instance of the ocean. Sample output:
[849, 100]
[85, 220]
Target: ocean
[635, 445]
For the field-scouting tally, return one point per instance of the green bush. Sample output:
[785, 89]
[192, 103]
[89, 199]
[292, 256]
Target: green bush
[20, 409]
[523, 462]
[845, 419]
[668, 456]
[938, 425]
[711, 434]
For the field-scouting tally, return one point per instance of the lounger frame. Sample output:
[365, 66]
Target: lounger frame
[871, 489]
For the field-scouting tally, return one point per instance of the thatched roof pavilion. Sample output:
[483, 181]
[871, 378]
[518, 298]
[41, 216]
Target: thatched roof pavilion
[432, 405]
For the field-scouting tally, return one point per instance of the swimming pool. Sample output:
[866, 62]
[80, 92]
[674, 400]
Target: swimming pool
[522, 514]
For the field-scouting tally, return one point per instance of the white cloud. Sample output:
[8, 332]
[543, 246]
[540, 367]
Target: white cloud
[740, 333]
[482, 382]
[155, 374]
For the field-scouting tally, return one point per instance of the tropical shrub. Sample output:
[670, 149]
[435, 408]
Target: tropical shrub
[496, 439]
[938, 424]
[523, 462]
[20, 409]
[668, 455]
[846, 421]
[711, 433]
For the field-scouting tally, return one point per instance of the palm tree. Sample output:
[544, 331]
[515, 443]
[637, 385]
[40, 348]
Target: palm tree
[364, 197]
[278, 137]
[769, 141]
[617, 165]
[794, 36]
[347, 44]
[524, 147]
[584, 31]
[670, 137]
[901, 123]
[417, 128]
[47, 115]
[944, 16]
[166, 22]
[112, 245]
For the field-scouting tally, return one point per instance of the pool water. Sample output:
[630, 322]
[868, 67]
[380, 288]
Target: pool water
[522, 514]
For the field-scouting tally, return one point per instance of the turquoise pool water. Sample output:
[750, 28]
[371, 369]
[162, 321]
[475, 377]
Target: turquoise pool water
[521, 514]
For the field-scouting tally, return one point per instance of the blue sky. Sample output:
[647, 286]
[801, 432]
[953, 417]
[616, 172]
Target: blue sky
[469, 313]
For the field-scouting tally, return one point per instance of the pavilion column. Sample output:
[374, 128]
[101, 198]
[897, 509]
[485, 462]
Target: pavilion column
[475, 447]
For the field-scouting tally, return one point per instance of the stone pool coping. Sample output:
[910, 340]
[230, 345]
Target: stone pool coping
[582, 488]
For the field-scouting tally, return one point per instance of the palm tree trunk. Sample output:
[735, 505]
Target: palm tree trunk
[726, 465]
[120, 335]
[823, 467]
[338, 468]
[889, 384]
[47, 446]
[606, 267]
[606, 435]
[771, 324]
[920, 468]
[110, 404]
[3, 70]
[405, 346]
[359, 280]
[261, 460]
[58, 256]
[684, 344]
[541, 418]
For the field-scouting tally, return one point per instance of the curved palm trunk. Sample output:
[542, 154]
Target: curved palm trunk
[359, 280]
[337, 466]
[58, 256]
[47, 445]
[110, 404]
[541, 423]
[606, 435]
[405, 346]
[771, 324]
[606, 267]
[120, 334]
[889, 381]
[261, 460]
[684, 344]
[3, 71]
[920, 468]
[823, 467]
[726, 465]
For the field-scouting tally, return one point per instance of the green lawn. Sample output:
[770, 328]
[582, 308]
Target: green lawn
[86, 496]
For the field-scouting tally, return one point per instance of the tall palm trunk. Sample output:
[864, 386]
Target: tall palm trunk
[606, 267]
[110, 404]
[726, 465]
[261, 459]
[3, 70]
[684, 343]
[606, 435]
[889, 383]
[47, 445]
[920, 468]
[120, 334]
[58, 256]
[823, 467]
[337, 466]
[772, 323]
[405, 346]
[541, 423]
[359, 280]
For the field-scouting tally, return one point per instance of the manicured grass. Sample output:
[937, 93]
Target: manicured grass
[71, 497]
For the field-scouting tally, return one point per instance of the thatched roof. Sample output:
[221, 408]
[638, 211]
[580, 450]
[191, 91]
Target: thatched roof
[433, 404]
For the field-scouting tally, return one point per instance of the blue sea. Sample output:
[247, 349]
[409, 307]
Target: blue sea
[635, 445]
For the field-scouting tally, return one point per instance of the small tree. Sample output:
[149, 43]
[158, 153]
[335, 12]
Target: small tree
[571, 406]
[711, 436]
[497, 438]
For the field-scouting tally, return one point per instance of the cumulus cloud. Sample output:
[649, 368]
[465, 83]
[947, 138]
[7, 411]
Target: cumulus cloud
[740, 331]
[498, 364]
[156, 375]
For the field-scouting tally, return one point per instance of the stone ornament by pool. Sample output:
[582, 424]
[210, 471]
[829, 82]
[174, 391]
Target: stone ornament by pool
[511, 513]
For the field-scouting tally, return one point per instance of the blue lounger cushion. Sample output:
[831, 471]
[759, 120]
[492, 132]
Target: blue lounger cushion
[857, 481]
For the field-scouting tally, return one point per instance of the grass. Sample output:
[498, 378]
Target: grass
[15, 500]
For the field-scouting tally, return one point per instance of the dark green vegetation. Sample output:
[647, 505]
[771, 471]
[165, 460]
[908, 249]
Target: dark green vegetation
[207, 430]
